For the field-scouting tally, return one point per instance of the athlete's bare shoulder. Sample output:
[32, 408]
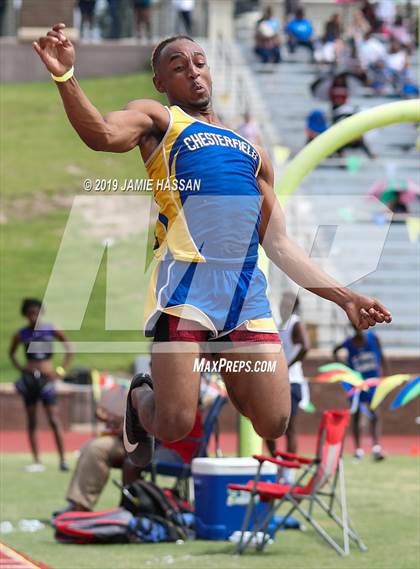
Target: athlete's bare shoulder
[153, 109]
[266, 172]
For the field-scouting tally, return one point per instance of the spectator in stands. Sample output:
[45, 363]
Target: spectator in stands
[290, 7]
[368, 11]
[184, 9]
[400, 33]
[342, 112]
[300, 32]
[296, 345]
[370, 51]
[391, 75]
[316, 124]
[102, 453]
[359, 27]
[364, 354]
[385, 11]
[250, 129]
[142, 17]
[397, 61]
[380, 79]
[267, 38]
[333, 29]
[114, 7]
[331, 47]
[339, 91]
[87, 11]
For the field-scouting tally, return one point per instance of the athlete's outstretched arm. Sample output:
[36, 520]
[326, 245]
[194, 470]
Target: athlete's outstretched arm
[118, 131]
[361, 310]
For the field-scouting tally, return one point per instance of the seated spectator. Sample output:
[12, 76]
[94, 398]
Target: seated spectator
[332, 30]
[341, 113]
[400, 33]
[267, 38]
[368, 11]
[102, 453]
[331, 47]
[397, 58]
[94, 464]
[250, 129]
[339, 92]
[370, 51]
[385, 11]
[316, 124]
[380, 79]
[359, 27]
[300, 32]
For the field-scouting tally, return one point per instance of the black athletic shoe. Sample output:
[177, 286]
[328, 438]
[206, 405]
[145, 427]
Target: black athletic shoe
[138, 443]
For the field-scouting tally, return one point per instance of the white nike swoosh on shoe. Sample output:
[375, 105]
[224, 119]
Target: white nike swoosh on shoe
[129, 447]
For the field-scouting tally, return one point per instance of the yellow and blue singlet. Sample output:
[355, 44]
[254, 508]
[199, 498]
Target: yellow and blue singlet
[206, 237]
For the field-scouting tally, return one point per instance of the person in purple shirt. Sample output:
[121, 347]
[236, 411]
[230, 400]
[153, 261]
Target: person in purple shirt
[364, 354]
[300, 32]
[38, 375]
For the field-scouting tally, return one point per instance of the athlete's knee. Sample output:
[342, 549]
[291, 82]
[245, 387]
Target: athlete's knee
[175, 425]
[53, 422]
[31, 422]
[272, 428]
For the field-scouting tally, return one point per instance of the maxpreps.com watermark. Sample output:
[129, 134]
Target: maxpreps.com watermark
[139, 185]
[203, 365]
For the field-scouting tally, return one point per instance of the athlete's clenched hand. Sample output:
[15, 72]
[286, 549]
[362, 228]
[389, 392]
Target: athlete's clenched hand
[56, 51]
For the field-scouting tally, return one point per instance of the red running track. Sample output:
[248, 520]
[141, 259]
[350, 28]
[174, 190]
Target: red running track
[16, 441]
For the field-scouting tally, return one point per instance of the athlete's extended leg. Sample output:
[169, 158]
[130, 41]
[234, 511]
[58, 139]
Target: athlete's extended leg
[262, 396]
[54, 421]
[356, 428]
[168, 412]
[31, 427]
[375, 429]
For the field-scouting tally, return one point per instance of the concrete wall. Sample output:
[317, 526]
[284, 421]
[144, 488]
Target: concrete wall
[76, 405]
[19, 63]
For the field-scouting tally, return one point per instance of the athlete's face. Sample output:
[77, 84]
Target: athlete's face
[183, 74]
[32, 314]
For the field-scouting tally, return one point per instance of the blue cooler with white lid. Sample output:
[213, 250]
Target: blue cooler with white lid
[219, 511]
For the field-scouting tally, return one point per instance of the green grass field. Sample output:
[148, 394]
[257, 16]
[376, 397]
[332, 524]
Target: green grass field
[383, 503]
[43, 165]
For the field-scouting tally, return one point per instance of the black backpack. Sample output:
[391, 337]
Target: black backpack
[146, 499]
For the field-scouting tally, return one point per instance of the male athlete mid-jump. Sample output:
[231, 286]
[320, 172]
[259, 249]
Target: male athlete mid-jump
[207, 286]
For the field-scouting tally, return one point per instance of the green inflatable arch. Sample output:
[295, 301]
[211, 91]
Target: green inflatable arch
[322, 146]
[340, 134]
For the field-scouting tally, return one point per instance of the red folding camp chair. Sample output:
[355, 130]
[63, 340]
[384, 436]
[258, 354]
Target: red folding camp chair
[320, 481]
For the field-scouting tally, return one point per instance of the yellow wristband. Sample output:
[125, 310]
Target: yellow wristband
[67, 75]
[60, 371]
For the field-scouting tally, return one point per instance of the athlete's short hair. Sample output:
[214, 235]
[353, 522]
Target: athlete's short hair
[160, 47]
[28, 303]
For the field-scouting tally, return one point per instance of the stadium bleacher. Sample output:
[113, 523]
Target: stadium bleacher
[279, 98]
